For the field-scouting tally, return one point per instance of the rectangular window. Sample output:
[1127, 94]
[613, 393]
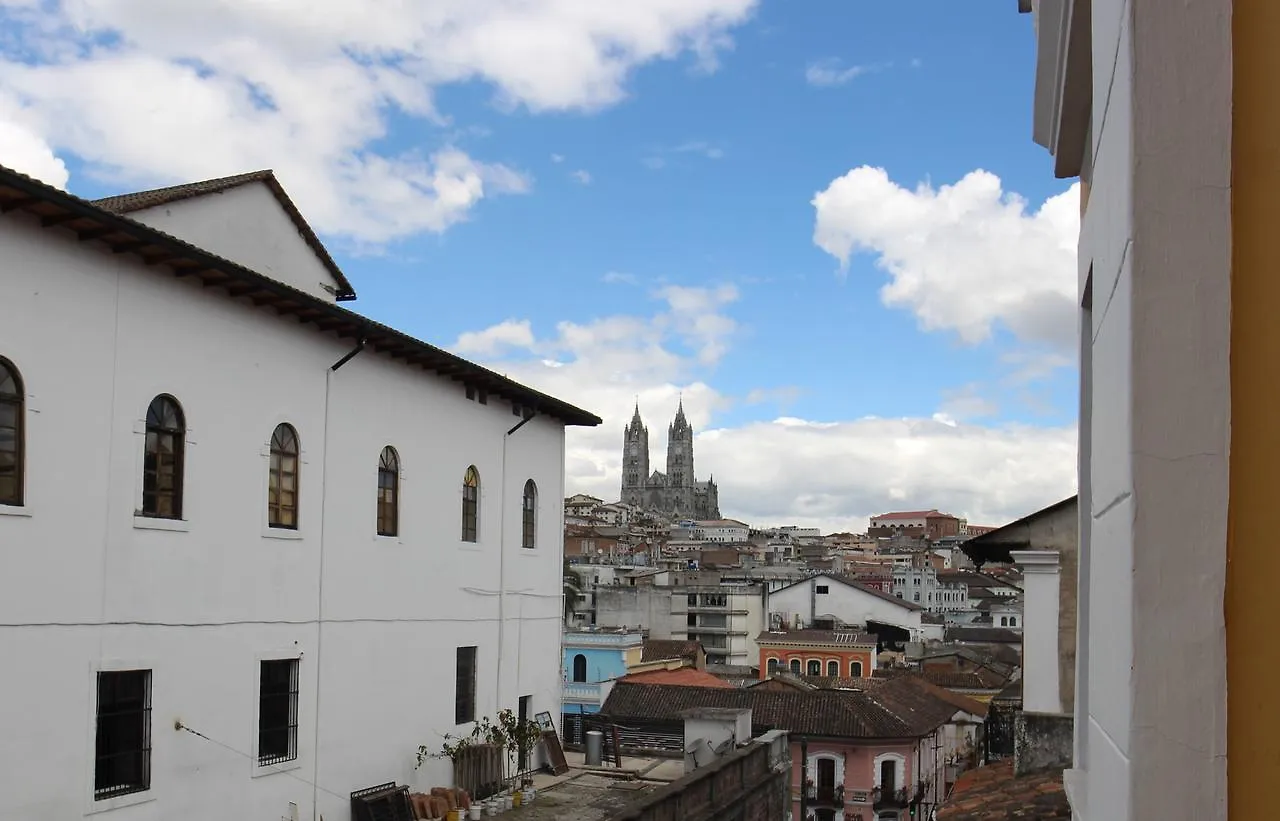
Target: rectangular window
[821, 589]
[471, 393]
[464, 693]
[122, 756]
[278, 711]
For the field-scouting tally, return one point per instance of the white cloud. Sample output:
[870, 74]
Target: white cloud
[832, 474]
[831, 72]
[965, 404]
[150, 93]
[557, 158]
[619, 278]
[581, 176]
[496, 338]
[653, 162]
[22, 149]
[962, 257]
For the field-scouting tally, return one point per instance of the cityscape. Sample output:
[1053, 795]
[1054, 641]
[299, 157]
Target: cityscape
[971, 528]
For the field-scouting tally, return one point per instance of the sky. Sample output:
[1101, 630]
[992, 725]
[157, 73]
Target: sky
[822, 223]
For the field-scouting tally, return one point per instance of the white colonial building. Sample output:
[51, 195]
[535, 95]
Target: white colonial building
[829, 598]
[255, 547]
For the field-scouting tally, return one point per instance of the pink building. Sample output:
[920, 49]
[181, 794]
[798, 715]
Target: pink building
[861, 750]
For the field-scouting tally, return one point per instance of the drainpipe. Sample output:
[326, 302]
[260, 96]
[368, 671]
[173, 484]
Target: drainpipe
[804, 778]
[324, 508]
[502, 562]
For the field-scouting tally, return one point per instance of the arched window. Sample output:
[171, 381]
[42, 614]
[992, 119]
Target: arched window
[773, 666]
[1013, 621]
[795, 666]
[855, 669]
[815, 667]
[162, 462]
[282, 488]
[1004, 621]
[833, 668]
[389, 492]
[471, 505]
[579, 667]
[529, 516]
[12, 398]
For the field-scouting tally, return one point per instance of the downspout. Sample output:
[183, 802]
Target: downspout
[324, 508]
[804, 778]
[502, 562]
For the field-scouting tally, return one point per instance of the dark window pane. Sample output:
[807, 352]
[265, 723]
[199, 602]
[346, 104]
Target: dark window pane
[122, 762]
[278, 711]
[465, 686]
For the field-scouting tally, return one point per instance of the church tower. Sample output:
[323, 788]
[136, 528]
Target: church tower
[635, 460]
[680, 479]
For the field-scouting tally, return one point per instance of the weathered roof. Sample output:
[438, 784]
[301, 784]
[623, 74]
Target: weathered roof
[139, 200]
[993, 793]
[949, 679]
[825, 713]
[843, 638]
[683, 676]
[78, 219]
[905, 707]
[659, 649]
[986, 635]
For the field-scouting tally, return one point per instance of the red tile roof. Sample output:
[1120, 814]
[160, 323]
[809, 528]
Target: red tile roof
[660, 649]
[684, 677]
[992, 793]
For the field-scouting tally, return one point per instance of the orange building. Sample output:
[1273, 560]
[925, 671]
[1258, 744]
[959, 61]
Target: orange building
[811, 652]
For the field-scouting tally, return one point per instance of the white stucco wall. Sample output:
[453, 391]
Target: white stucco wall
[1040, 685]
[375, 620]
[247, 225]
[849, 604]
[1154, 267]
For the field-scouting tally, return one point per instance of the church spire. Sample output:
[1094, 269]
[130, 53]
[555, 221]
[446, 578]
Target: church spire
[680, 410]
[635, 417]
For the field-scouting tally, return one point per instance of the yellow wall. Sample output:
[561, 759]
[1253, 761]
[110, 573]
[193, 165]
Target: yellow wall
[1253, 559]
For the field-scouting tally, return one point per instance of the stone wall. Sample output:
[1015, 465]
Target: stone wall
[1042, 742]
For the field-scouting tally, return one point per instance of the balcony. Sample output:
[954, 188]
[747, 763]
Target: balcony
[890, 798]
[577, 692]
[823, 796]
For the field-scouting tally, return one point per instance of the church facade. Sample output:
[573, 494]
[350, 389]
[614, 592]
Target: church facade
[676, 493]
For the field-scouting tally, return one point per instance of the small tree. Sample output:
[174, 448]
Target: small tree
[520, 738]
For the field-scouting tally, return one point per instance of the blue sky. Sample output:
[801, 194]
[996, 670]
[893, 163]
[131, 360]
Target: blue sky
[568, 170]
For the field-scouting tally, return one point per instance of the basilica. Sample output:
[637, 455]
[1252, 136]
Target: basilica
[676, 493]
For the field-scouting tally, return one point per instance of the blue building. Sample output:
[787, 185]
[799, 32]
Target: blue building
[593, 659]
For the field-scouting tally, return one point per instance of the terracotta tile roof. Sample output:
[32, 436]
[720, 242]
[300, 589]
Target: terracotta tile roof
[843, 638]
[138, 200]
[992, 793]
[684, 677]
[659, 649]
[988, 635]
[949, 679]
[823, 713]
